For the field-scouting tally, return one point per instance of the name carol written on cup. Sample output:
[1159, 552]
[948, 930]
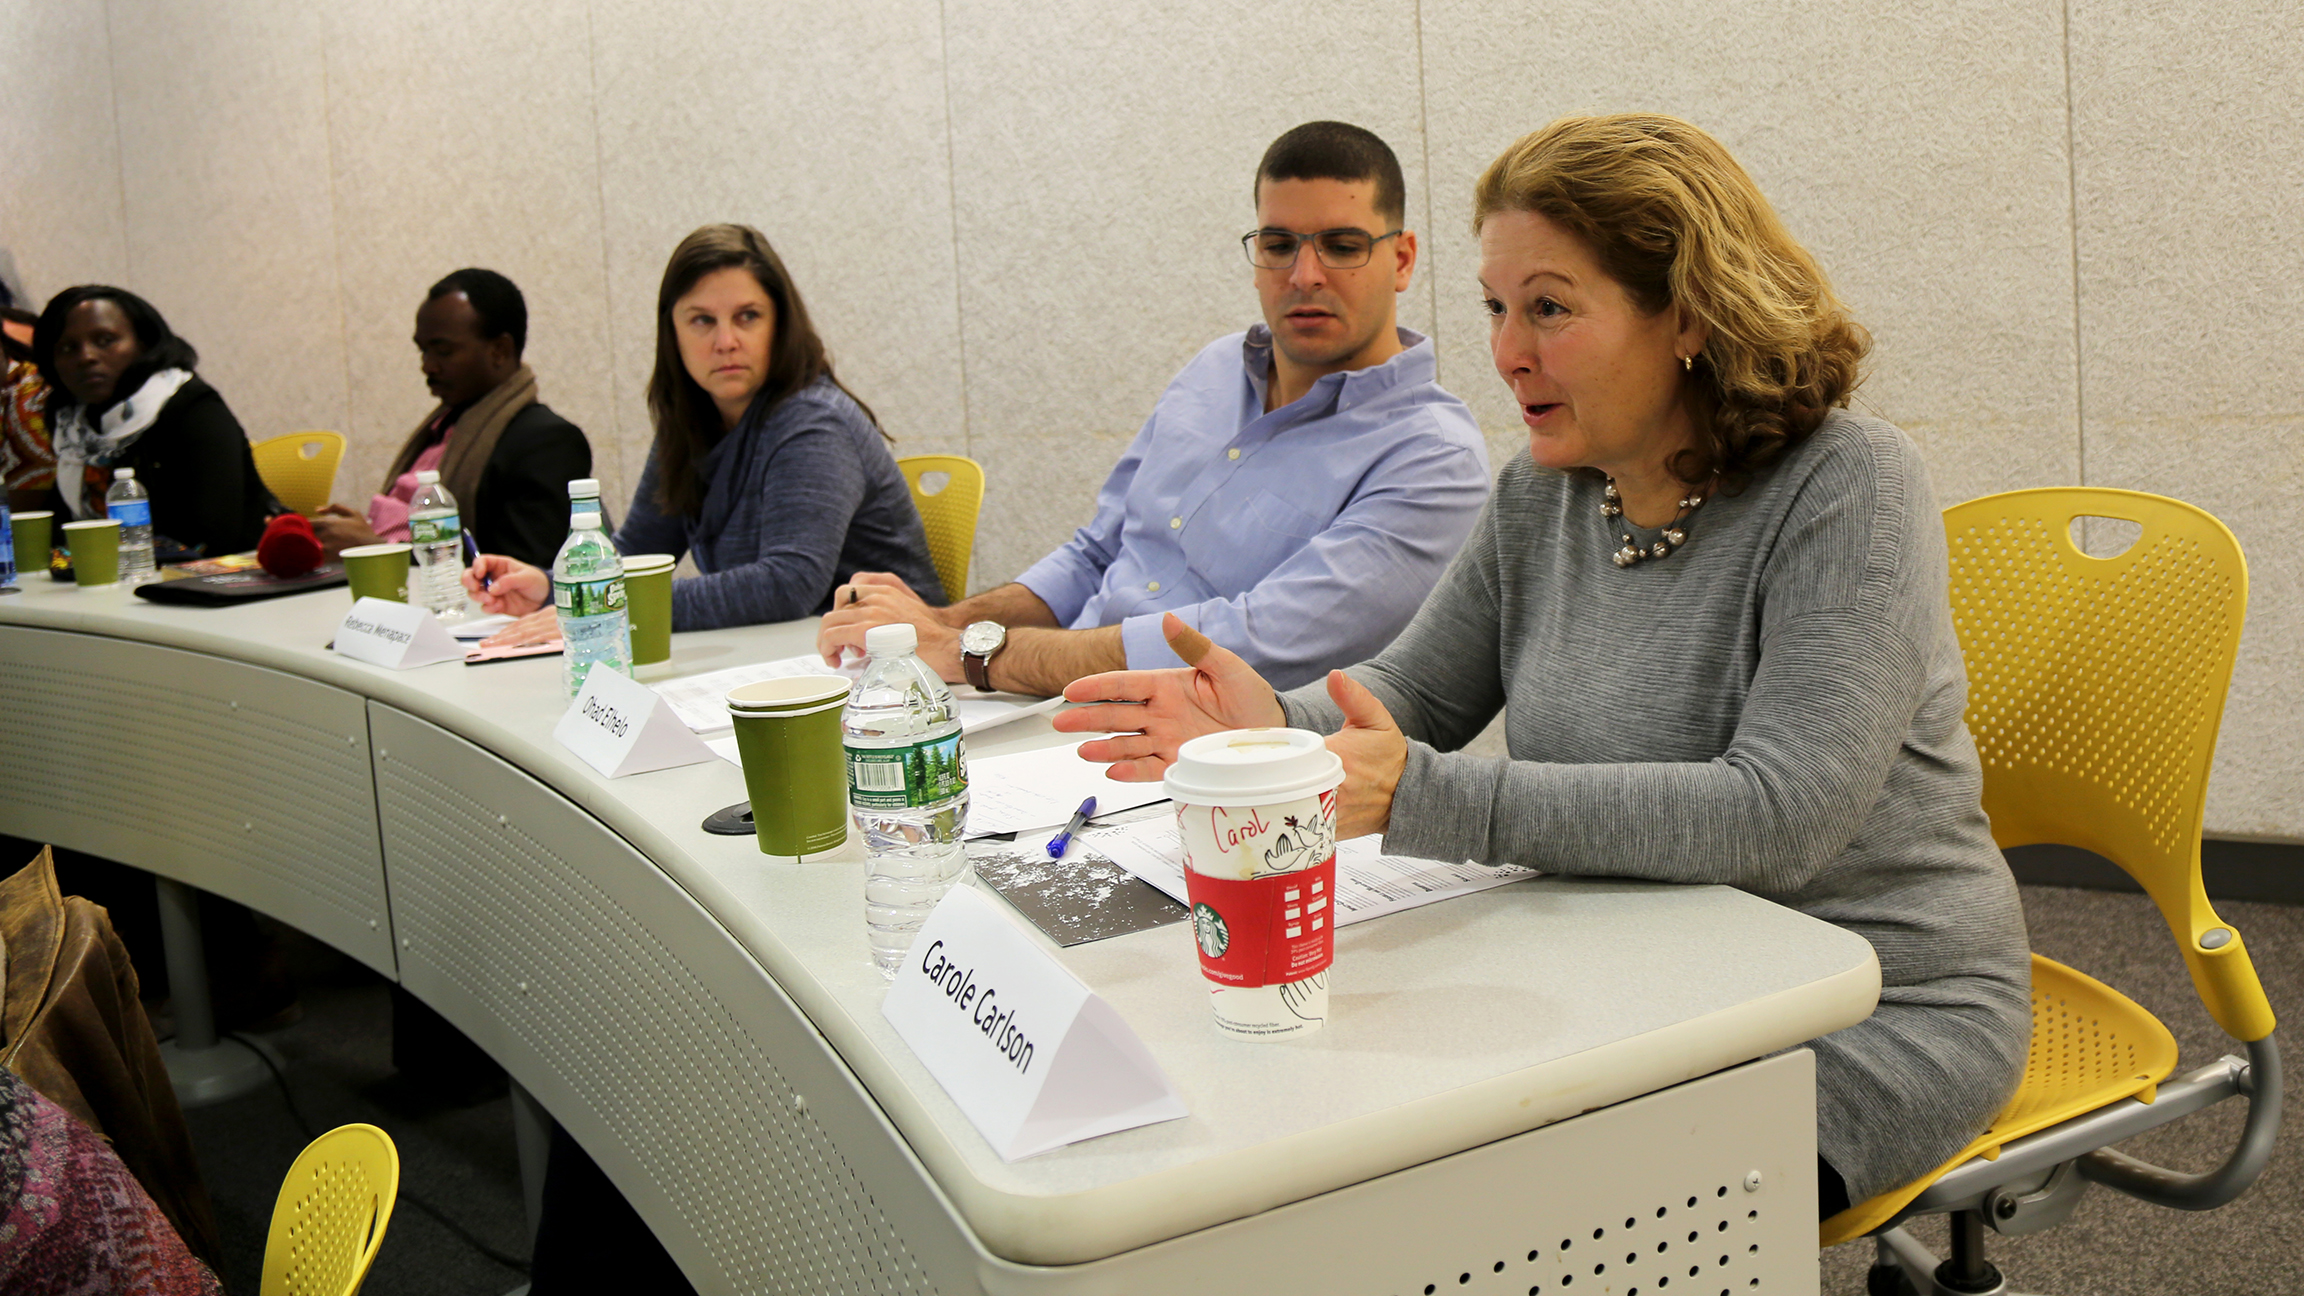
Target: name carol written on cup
[605, 716]
[996, 1024]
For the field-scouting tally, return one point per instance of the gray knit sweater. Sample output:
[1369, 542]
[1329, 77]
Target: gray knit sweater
[1777, 707]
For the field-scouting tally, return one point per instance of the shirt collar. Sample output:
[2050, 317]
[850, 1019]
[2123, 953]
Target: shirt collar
[1414, 364]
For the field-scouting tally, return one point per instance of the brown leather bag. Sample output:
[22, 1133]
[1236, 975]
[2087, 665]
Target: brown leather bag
[71, 1027]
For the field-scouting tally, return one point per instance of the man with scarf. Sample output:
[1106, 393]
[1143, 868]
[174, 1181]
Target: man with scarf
[505, 456]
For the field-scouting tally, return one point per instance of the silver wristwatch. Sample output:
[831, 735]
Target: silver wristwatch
[979, 644]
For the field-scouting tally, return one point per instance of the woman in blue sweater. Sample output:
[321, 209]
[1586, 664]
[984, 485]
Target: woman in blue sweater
[770, 473]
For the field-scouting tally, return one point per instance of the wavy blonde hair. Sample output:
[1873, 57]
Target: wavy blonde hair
[1673, 218]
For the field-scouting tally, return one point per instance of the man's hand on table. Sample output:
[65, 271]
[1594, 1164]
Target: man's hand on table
[880, 598]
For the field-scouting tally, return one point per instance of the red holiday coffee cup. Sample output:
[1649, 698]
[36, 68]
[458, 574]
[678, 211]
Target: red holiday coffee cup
[1256, 809]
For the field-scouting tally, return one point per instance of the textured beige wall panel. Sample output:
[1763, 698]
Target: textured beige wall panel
[827, 134]
[463, 136]
[2189, 159]
[61, 220]
[1924, 165]
[1102, 167]
[231, 231]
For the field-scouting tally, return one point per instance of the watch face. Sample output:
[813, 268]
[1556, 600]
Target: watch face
[981, 638]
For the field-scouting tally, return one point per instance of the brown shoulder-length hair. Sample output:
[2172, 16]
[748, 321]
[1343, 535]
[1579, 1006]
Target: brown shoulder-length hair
[687, 422]
[1673, 218]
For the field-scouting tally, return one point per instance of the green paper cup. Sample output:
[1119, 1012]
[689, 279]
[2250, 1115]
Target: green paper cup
[648, 601]
[95, 546]
[378, 571]
[34, 530]
[788, 732]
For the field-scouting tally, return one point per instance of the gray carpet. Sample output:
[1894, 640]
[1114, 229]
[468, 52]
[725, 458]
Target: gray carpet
[462, 1160]
[2114, 1245]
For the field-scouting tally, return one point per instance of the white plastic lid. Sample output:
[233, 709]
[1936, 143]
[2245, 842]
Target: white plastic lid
[428, 477]
[793, 694]
[891, 640]
[584, 488]
[1252, 767]
[123, 474]
[642, 564]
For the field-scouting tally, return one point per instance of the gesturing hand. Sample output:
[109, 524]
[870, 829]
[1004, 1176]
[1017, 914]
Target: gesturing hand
[1374, 752]
[1153, 712]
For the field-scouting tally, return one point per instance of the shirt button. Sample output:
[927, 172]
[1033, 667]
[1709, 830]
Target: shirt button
[1232, 454]
[1175, 524]
[1153, 586]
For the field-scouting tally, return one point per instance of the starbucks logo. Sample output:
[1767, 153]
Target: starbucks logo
[1208, 928]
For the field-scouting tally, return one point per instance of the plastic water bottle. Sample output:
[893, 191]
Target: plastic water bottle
[438, 534]
[588, 593]
[7, 548]
[128, 503]
[907, 787]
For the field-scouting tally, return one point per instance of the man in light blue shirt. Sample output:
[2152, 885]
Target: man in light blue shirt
[1294, 495]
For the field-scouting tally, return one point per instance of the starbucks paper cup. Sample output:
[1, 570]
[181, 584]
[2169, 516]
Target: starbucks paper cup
[648, 601]
[788, 733]
[1257, 811]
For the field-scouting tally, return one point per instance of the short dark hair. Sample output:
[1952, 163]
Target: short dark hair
[494, 298]
[162, 348]
[1332, 150]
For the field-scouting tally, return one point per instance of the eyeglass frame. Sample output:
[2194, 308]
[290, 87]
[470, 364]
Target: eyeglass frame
[1247, 246]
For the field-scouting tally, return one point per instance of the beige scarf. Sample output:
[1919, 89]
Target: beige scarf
[471, 442]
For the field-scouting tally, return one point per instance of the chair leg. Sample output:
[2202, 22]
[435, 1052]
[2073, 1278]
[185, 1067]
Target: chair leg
[1967, 1272]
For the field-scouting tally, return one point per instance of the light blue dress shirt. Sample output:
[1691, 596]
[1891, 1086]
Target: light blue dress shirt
[1303, 539]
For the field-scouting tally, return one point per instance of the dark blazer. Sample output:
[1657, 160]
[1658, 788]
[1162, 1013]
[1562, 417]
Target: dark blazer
[522, 511]
[195, 463]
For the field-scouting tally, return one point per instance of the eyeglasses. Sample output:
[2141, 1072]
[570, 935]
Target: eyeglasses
[1338, 249]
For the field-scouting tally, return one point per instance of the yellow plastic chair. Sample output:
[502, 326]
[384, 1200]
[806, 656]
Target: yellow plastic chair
[299, 468]
[2096, 686]
[330, 1217]
[948, 490]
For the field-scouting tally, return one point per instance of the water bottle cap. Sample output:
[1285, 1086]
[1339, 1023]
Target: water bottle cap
[428, 477]
[584, 488]
[891, 640]
[123, 474]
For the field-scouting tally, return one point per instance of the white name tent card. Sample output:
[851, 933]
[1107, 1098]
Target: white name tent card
[622, 727]
[1033, 1057]
[395, 636]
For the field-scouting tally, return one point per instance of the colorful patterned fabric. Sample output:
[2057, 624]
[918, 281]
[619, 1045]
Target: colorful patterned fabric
[73, 1221]
[27, 460]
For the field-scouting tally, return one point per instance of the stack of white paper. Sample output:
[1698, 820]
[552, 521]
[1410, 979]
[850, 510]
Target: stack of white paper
[1041, 789]
[1369, 883]
[702, 700]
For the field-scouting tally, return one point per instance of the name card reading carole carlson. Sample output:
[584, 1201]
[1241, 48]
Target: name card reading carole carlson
[621, 727]
[395, 635]
[1034, 1058]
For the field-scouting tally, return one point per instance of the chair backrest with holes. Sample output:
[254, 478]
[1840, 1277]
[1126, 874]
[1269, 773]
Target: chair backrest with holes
[2095, 688]
[330, 1216]
[299, 468]
[948, 490]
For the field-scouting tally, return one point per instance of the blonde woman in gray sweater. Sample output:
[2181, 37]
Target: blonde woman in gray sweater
[1711, 603]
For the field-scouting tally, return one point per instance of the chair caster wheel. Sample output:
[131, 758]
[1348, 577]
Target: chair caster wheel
[1888, 1280]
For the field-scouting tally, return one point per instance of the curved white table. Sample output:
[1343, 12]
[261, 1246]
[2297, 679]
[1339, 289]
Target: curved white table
[705, 1020]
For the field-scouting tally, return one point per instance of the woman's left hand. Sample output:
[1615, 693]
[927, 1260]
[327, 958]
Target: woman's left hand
[1374, 753]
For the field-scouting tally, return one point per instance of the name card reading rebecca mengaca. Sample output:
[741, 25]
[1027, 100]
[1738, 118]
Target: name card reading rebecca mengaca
[1034, 1058]
[620, 727]
[395, 635]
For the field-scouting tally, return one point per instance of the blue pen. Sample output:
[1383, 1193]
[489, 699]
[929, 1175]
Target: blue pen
[472, 555]
[1057, 843]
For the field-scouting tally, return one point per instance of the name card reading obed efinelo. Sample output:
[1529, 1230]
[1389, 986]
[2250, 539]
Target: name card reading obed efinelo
[620, 727]
[1034, 1058]
[396, 636]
